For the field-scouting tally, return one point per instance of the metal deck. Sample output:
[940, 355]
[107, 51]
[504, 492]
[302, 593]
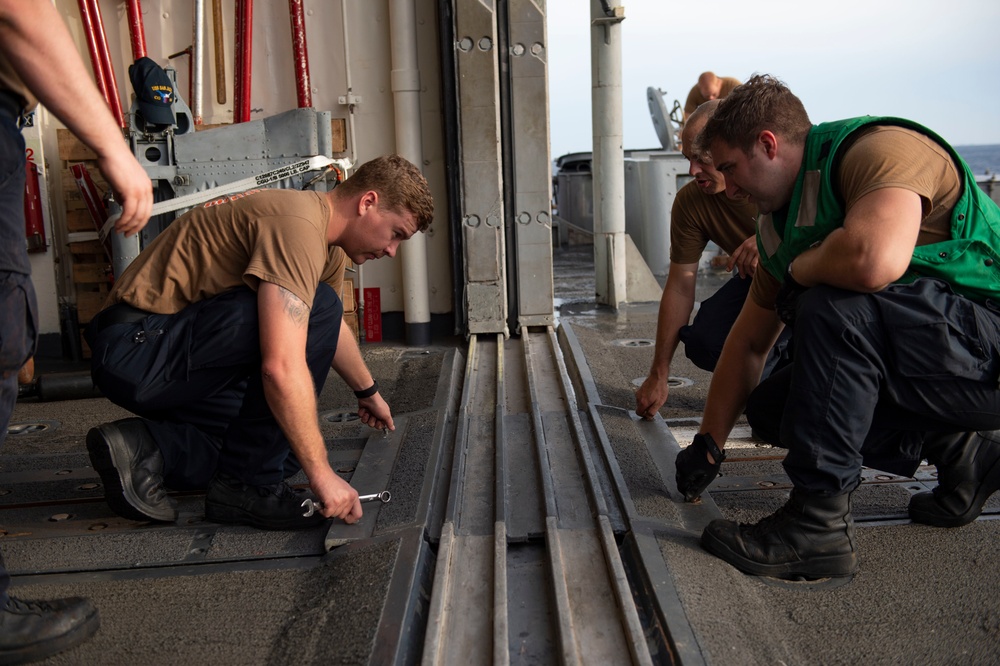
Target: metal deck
[533, 521]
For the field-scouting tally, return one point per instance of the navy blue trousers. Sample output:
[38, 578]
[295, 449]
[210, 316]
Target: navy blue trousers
[18, 309]
[872, 376]
[704, 337]
[195, 377]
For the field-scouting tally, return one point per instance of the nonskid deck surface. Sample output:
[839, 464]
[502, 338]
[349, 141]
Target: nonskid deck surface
[200, 592]
[533, 519]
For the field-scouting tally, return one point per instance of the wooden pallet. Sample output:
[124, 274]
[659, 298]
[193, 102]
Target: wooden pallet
[350, 306]
[90, 266]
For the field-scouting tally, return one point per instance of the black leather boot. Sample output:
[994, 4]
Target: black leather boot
[131, 467]
[968, 466]
[33, 630]
[273, 507]
[810, 537]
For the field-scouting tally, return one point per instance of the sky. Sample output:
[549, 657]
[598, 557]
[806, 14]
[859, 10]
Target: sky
[933, 61]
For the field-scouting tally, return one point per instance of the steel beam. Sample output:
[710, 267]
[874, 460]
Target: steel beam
[527, 55]
[482, 205]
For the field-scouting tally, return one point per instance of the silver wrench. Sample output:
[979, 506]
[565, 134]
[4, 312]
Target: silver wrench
[312, 506]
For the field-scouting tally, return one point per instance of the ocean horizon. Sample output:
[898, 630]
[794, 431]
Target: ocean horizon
[982, 159]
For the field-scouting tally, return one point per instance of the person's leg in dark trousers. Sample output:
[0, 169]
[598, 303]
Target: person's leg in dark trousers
[861, 362]
[28, 629]
[893, 428]
[17, 343]
[190, 374]
[158, 368]
[17, 295]
[704, 337]
[866, 363]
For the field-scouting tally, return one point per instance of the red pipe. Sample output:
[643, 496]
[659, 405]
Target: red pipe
[95, 58]
[34, 223]
[244, 51]
[114, 101]
[135, 29]
[300, 53]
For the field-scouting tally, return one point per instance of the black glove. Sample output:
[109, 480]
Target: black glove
[788, 297]
[694, 472]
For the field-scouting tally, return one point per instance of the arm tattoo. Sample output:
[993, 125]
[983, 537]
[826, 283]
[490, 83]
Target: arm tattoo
[296, 308]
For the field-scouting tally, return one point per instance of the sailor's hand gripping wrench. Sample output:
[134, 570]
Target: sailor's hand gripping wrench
[312, 507]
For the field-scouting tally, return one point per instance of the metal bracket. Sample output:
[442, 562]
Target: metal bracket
[617, 16]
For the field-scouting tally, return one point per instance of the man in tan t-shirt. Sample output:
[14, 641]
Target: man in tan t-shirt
[701, 213]
[891, 365]
[220, 335]
[709, 87]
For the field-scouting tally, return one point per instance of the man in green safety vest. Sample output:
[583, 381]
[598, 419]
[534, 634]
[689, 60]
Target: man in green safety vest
[883, 255]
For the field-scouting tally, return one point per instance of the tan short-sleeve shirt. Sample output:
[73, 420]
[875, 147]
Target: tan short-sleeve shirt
[890, 156]
[276, 236]
[696, 99]
[697, 218]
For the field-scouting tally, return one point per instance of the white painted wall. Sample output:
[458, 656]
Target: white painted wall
[365, 62]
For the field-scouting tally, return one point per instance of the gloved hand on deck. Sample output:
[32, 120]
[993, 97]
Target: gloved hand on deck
[694, 471]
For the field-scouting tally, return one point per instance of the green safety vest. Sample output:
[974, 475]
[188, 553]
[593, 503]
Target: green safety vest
[969, 261]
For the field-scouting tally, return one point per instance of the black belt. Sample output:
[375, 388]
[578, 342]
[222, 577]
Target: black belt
[120, 313]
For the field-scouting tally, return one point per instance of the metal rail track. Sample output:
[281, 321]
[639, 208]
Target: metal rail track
[528, 562]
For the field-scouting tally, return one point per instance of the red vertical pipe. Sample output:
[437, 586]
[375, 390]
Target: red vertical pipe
[135, 29]
[95, 58]
[34, 223]
[109, 73]
[244, 51]
[300, 52]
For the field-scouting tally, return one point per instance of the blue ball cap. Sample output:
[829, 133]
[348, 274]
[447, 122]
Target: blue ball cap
[154, 91]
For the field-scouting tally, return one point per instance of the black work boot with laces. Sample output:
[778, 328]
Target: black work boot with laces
[968, 466]
[33, 630]
[271, 507]
[131, 467]
[811, 537]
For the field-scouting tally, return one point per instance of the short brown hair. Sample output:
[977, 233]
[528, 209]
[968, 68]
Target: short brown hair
[399, 184]
[762, 103]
